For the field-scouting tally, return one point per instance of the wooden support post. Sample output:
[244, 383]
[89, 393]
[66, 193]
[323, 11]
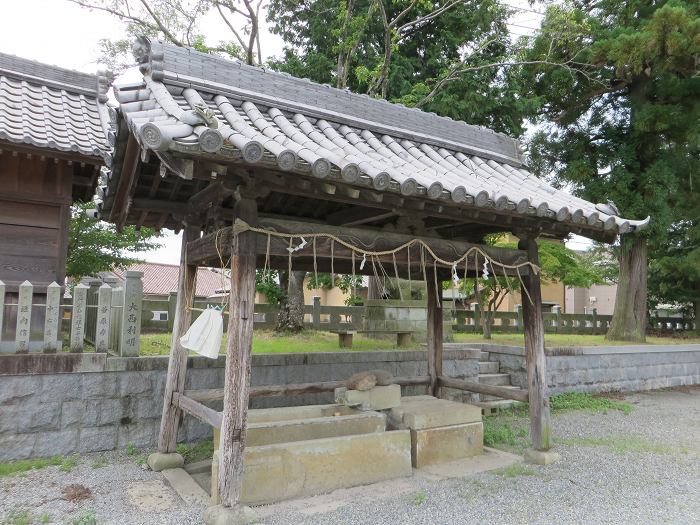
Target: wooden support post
[434, 334]
[177, 365]
[238, 357]
[540, 431]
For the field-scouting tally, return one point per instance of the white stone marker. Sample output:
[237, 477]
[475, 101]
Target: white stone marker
[131, 314]
[104, 317]
[24, 317]
[53, 307]
[77, 323]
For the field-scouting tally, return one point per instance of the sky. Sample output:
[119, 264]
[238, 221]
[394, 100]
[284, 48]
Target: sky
[62, 33]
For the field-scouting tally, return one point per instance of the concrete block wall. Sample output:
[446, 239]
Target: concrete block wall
[606, 368]
[97, 403]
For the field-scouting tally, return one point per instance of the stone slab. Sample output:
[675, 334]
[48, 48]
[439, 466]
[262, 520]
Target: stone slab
[186, 487]
[238, 515]
[421, 412]
[541, 457]
[305, 468]
[377, 398]
[431, 446]
[270, 433]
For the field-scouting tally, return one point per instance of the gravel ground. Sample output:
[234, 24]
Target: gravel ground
[638, 468]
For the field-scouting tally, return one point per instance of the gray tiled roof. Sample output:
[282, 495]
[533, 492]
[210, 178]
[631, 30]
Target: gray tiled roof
[200, 104]
[52, 108]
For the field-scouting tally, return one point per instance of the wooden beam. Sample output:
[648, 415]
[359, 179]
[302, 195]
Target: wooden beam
[210, 247]
[238, 357]
[480, 388]
[205, 198]
[177, 364]
[434, 333]
[217, 394]
[540, 429]
[354, 216]
[197, 409]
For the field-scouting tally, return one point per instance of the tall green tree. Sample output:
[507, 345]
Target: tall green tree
[96, 246]
[621, 120]
[440, 56]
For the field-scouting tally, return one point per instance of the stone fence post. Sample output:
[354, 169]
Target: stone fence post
[52, 318]
[77, 318]
[129, 342]
[556, 310]
[594, 313]
[477, 316]
[24, 317]
[316, 313]
[2, 310]
[519, 320]
[104, 318]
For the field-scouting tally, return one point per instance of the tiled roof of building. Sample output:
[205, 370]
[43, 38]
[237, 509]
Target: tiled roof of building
[161, 279]
[191, 103]
[53, 108]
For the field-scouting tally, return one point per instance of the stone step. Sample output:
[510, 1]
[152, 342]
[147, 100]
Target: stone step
[488, 367]
[492, 407]
[495, 379]
[483, 356]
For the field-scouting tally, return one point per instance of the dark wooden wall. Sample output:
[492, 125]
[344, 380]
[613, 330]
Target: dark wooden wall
[35, 197]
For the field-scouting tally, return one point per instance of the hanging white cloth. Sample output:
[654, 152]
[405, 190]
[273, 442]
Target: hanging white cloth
[205, 334]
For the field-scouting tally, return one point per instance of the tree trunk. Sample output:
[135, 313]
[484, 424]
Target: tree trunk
[697, 316]
[291, 316]
[629, 318]
[487, 323]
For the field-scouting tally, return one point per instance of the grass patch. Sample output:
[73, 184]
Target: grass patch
[100, 462]
[18, 517]
[622, 445]
[87, 517]
[516, 470]
[132, 450]
[580, 401]
[267, 342]
[505, 432]
[418, 498]
[68, 464]
[15, 467]
[193, 452]
[563, 340]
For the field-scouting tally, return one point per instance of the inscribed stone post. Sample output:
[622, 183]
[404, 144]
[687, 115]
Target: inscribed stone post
[53, 307]
[104, 317]
[77, 322]
[131, 314]
[2, 308]
[24, 317]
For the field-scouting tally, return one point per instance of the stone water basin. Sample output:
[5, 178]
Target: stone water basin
[293, 452]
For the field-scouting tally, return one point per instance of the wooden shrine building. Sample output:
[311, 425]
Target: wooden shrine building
[271, 171]
[53, 141]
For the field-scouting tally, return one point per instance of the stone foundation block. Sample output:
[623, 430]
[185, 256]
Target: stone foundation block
[421, 412]
[541, 457]
[377, 398]
[442, 444]
[306, 468]
[238, 515]
[159, 461]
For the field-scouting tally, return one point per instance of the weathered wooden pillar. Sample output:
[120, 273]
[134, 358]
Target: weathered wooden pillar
[434, 335]
[540, 432]
[177, 365]
[238, 357]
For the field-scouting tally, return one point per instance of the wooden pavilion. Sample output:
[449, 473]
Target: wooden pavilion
[53, 141]
[273, 171]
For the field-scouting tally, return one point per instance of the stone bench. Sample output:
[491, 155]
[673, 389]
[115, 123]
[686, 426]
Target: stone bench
[403, 337]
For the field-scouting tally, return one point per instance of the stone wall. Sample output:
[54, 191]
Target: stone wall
[68, 403]
[606, 368]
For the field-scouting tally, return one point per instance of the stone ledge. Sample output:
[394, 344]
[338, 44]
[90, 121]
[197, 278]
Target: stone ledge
[59, 363]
